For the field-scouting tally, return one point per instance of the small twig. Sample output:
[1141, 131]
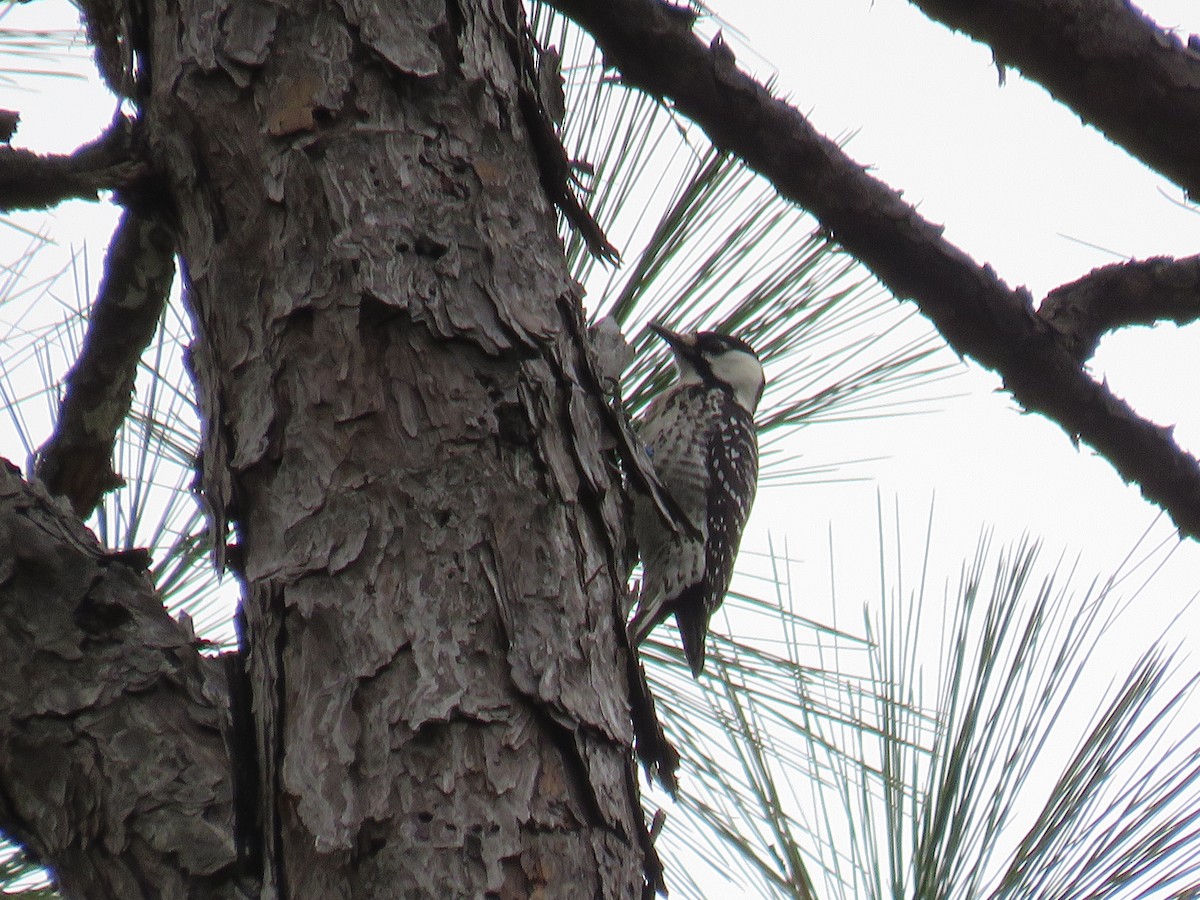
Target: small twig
[656, 824]
[9, 119]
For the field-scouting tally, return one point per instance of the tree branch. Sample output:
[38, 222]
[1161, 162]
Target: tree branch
[110, 30]
[1104, 59]
[32, 181]
[975, 311]
[1132, 293]
[76, 462]
[113, 768]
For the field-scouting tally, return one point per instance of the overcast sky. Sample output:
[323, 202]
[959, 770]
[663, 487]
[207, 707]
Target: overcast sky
[1019, 183]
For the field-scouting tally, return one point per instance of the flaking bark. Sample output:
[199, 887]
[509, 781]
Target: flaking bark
[113, 767]
[428, 528]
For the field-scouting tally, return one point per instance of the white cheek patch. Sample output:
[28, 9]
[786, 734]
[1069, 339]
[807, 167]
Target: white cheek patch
[686, 372]
[743, 373]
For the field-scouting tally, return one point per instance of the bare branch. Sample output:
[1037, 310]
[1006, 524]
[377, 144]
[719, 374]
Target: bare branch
[77, 460]
[1133, 293]
[1107, 61]
[975, 311]
[113, 767]
[32, 181]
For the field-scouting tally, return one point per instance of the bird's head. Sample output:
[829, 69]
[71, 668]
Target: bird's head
[717, 360]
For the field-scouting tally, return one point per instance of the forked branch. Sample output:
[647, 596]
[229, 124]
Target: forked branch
[1139, 292]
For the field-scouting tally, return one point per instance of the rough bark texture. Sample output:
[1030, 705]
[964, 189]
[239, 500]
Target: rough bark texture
[427, 524]
[1106, 60]
[112, 761]
[403, 428]
[975, 311]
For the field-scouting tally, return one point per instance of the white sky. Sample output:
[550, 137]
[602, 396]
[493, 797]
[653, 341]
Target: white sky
[1017, 181]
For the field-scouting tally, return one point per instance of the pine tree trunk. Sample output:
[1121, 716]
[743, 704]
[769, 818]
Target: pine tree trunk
[425, 522]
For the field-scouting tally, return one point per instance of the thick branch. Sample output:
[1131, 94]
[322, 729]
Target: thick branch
[77, 460]
[1132, 293]
[113, 769]
[1104, 59]
[974, 310]
[31, 181]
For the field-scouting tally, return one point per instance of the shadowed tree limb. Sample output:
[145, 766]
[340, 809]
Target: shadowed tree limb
[1132, 293]
[1107, 61]
[9, 119]
[110, 31]
[976, 312]
[76, 462]
[32, 181]
[114, 770]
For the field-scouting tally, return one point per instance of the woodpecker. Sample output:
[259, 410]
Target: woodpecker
[700, 438]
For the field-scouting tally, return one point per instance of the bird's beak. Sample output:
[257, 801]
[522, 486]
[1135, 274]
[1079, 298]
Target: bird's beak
[682, 344]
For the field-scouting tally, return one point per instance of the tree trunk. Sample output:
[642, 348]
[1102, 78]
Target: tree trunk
[426, 524]
[113, 770]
